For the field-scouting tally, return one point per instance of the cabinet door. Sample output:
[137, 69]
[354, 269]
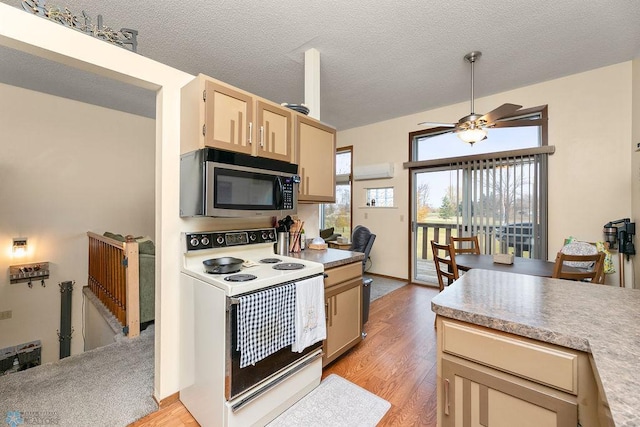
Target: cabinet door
[316, 160]
[274, 132]
[344, 318]
[228, 119]
[482, 397]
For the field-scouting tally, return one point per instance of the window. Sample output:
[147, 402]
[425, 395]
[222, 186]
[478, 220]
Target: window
[441, 145]
[338, 214]
[380, 197]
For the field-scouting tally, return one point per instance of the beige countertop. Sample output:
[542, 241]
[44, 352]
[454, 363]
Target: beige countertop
[597, 319]
[329, 257]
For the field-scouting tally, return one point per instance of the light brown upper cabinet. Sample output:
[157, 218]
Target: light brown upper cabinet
[316, 158]
[274, 131]
[214, 114]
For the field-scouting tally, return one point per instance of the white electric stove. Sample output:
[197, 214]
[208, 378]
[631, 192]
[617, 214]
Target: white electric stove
[214, 388]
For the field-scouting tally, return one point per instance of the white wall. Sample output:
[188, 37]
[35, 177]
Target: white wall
[66, 168]
[590, 173]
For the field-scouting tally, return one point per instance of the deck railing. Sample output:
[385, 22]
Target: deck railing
[113, 278]
[428, 231]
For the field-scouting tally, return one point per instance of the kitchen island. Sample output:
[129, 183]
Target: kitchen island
[574, 345]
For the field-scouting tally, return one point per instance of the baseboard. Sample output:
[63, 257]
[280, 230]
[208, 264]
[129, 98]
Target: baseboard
[172, 398]
[386, 277]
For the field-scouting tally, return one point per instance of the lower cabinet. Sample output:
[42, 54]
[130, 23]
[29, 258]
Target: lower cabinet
[491, 378]
[343, 306]
[478, 396]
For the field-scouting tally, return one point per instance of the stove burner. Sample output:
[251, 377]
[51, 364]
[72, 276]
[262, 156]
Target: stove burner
[222, 272]
[240, 277]
[270, 260]
[288, 266]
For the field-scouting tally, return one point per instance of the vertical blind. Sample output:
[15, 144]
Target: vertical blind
[503, 200]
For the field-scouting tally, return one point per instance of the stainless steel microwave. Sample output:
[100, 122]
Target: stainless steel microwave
[219, 183]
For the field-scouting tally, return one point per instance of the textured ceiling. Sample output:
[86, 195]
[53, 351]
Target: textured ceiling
[379, 60]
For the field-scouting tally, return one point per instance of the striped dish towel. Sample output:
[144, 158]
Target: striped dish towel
[266, 323]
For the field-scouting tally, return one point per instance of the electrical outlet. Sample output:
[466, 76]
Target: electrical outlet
[4, 315]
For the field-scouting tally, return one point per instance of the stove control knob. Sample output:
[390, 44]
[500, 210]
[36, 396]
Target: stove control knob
[204, 240]
[271, 235]
[253, 237]
[194, 242]
[264, 235]
[220, 240]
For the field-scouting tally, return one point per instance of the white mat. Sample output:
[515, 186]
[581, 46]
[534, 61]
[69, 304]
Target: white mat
[335, 402]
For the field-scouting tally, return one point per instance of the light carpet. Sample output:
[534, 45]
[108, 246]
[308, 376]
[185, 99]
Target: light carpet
[335, 402]
[110, 386]
[382, 286]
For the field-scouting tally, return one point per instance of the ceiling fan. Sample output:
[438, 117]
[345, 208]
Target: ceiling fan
[473, 128]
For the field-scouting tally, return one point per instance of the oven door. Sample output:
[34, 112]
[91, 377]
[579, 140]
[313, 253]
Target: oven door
[234, 191]
[240, 380]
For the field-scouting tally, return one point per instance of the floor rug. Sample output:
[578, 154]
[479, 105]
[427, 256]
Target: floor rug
[383, 285]
[335, 402]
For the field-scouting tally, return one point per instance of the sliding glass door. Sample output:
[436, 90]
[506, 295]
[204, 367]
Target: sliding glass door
[498, 199]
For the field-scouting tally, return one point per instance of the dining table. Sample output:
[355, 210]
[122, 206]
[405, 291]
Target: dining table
[528, 266]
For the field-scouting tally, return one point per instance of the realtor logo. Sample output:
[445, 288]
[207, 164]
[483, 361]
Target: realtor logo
[14, 418]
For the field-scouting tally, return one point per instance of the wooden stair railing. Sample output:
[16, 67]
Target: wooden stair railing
[114, 278]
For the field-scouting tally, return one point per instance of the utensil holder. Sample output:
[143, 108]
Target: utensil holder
[282, 245]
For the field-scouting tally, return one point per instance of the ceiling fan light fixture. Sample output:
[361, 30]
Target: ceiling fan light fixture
[472, 135]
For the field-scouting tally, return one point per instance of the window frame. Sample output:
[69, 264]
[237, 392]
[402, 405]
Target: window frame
[321, 219]
[507, 121]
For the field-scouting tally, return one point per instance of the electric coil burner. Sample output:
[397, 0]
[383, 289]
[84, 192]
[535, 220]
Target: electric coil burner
[240, 277]
[288, 266]
[270, 260]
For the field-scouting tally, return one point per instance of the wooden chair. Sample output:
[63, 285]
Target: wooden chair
[594, 275]
[445, 255]
[465, 245]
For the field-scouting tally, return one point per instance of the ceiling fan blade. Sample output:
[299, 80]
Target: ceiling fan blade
[437, 124]
[502, 111]
[519, 123]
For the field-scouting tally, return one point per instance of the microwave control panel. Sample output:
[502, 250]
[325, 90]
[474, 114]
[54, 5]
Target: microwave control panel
[287, 194]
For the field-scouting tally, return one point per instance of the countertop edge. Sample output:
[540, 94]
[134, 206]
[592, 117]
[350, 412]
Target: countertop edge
[513, 327]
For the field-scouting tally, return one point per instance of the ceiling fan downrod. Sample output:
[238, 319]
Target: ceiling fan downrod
[472, 57]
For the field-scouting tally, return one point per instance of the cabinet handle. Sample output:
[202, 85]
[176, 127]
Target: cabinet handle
[262, 136]
[250, 132]
[326, 311]
[446, 396]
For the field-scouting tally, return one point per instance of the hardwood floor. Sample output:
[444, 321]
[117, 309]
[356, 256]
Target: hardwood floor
[397, 361]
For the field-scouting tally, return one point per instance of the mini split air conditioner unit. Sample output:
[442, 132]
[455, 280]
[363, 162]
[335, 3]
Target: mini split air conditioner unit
[377, 171]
